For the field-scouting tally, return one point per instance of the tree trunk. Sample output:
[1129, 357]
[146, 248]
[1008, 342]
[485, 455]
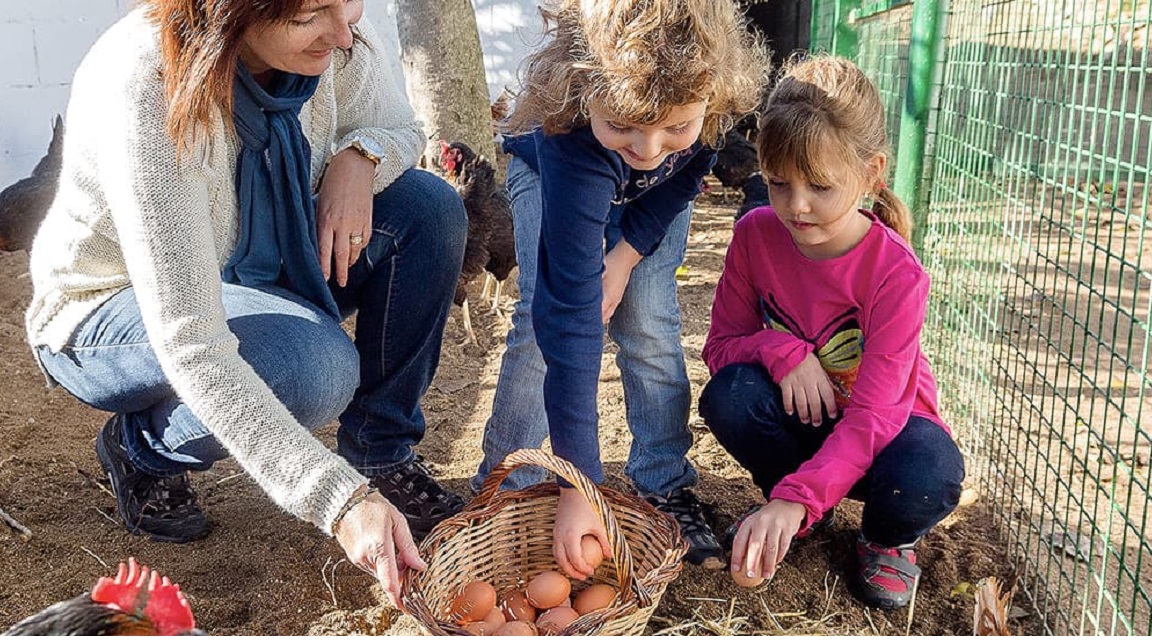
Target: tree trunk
[440, 49]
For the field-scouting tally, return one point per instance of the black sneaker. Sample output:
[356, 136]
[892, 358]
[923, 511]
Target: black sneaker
[703, 547]
[728, 538]
[416, 494]
[164, 509]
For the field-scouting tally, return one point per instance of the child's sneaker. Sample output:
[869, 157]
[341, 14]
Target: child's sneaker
[703, 547]
[887, 576]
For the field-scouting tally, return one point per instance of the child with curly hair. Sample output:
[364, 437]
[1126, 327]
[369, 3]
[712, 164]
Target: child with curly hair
[820, 388]
[613, 133]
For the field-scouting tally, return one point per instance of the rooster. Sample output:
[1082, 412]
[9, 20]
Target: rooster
[24, 204]
[491, 244]
[737, 167]
[136, 602]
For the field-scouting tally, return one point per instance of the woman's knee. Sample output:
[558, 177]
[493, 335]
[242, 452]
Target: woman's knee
[314, 373]
[434, 207]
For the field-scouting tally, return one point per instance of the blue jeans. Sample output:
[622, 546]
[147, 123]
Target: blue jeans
[912, 484]
[646, 327]
[402, 287]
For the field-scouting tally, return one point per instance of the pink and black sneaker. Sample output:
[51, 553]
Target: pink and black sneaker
[887, 576]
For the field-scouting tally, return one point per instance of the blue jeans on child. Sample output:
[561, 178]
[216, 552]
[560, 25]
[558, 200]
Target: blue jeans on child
[645, 326]
[402, 286]
[912, 484]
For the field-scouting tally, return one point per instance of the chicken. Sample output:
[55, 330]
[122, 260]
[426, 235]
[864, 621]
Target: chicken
[136, 602]
[491, 245]
[737, 166]
[24, 204]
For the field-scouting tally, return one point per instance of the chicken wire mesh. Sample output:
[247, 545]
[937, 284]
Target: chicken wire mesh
[1036, 233]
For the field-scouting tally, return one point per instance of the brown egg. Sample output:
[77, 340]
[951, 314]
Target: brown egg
[548, 589]
[517, 628]
[594, 597]
[590, 549]
[483, 628]
[556, 619]
[741, 578]
[495, 617]
[474, 602]
[515, 606]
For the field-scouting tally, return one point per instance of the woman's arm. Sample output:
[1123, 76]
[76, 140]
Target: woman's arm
[371, 103]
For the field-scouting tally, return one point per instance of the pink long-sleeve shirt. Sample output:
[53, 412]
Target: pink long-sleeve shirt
[861, 313]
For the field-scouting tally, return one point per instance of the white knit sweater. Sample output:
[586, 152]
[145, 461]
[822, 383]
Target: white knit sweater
[128, 214]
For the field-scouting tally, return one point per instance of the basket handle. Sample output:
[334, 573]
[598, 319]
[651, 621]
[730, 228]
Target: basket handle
[625, 569]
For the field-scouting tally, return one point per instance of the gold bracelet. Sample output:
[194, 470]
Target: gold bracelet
[359, 495]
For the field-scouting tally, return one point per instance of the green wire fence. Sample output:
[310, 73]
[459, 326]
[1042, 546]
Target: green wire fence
[1022, 132]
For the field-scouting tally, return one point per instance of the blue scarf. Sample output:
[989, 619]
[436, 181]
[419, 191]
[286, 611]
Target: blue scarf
[277, 243]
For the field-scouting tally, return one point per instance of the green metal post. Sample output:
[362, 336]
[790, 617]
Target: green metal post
[922, 70]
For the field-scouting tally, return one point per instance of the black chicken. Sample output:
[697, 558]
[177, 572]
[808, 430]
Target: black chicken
[491, 245]
[136, 602]
[24, 204]
[737, 167]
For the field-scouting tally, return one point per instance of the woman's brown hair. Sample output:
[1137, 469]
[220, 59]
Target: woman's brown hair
[826, 104]
[638, 59]
[200, 44]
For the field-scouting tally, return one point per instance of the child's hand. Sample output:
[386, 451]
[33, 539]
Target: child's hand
[805, 389]
[575, 518]
[618, 265]
[764, 538]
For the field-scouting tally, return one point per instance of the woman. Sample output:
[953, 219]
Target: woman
[186, 280]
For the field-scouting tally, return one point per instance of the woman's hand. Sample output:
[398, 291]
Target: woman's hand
[764, 538]
[618, 265]
[805, 389]
[575, 518]
[344, 212]
[375, 537]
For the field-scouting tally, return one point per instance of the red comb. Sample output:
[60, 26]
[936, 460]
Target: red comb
[138, 591]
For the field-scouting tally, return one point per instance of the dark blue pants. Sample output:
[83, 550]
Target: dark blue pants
[402, 288]
[912, 484]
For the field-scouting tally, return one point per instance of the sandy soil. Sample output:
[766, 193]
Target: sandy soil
[263, 572]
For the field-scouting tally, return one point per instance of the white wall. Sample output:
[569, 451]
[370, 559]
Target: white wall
[42, 42]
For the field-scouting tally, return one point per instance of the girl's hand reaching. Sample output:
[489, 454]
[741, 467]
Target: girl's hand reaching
[575, 518]
[765, 537]
[618, 265]
[375, 537]
[806, 389]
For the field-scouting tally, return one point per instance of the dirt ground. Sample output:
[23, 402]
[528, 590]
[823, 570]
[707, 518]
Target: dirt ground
[262, 571]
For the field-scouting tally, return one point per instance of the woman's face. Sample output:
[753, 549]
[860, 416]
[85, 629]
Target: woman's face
[303, 43]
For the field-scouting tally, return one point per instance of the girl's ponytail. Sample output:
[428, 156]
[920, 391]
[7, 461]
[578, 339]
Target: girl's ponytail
[892, 211]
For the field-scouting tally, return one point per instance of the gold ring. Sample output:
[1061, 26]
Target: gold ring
[356, 240]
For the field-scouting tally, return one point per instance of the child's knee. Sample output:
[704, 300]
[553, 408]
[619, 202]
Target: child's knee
[728, 399]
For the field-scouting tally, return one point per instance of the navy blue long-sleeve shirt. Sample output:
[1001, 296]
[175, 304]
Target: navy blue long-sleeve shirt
[581, 183]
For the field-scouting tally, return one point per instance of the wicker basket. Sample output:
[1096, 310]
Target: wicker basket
[505, 537]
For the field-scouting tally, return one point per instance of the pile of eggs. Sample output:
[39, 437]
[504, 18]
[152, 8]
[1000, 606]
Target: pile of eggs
[545, 606]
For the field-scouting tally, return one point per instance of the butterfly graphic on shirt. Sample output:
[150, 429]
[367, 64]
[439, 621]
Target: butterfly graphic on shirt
[839, 344]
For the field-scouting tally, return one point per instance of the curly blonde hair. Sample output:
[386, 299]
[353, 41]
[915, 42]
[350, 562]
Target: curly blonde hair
[638, 59]
[825, 104]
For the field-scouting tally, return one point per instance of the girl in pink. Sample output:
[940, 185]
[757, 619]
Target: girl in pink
[820, 388]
